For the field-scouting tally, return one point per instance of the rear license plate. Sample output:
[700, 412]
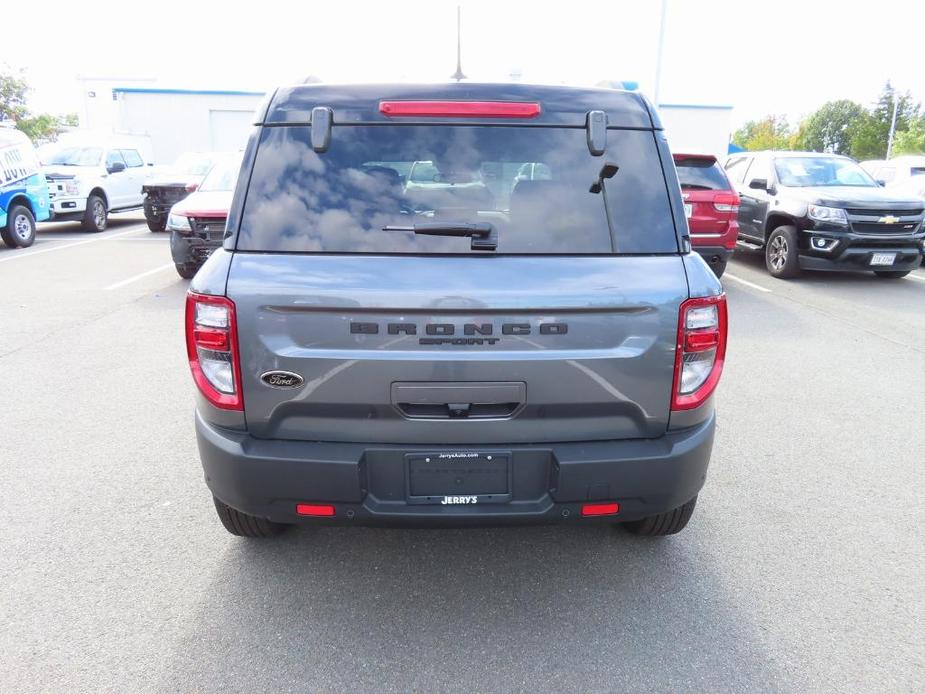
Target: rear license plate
[688, 210]
[882, 258]
[458, 477]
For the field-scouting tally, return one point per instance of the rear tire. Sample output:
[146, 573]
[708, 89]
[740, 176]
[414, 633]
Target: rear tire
[96, 216]
[19, 231]
[892, 274]
[157, 224]
[244, 524]
[718, 268]
[667, 523]
[186, 270]
[781, 252]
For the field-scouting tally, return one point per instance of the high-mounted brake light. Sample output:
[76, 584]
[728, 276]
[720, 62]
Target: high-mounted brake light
[212, 349]
[461, 109]
[700, 351]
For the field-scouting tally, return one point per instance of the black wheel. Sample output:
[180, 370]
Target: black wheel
[157, 223]
[186, 270]
[19, 231]
[95, 217]
[892, 274]
[780, 253]
[667, 523]
[244, 524]
[718, 268]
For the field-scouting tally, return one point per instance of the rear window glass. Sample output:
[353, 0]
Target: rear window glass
[531, 184]
[701, 174]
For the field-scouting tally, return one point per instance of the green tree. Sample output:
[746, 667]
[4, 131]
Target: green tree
[45, 127]
[13, 90]
[831, 127]
[40, 128]
[911, 140]
[771, 132]
[869, 137]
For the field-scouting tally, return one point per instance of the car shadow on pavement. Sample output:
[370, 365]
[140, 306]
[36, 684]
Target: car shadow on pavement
[50, 229]
[530, 608]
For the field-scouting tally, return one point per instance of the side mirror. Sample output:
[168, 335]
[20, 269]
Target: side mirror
[758, 183]
[881, 183]
[116, 167]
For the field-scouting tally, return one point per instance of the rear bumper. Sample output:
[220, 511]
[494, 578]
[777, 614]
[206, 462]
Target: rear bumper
[714, 255]
[367, 482]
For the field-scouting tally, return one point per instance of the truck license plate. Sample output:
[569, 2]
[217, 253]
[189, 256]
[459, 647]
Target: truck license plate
[882, 258]
[688, 210]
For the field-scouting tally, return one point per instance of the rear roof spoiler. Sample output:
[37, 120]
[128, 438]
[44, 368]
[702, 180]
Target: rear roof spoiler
[561, 106]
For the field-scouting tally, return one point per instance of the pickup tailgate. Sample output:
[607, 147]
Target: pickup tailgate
[457, 350]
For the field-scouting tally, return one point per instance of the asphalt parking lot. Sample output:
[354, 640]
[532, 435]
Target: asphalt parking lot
[802, 569]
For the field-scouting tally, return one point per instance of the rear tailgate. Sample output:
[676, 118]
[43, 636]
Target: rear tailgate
[603, 372]
[709, 201]
[703, 217]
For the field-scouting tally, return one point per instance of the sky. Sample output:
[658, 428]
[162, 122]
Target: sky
[777, 56]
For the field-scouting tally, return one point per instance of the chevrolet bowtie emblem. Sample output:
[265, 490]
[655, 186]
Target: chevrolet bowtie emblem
[889, 219]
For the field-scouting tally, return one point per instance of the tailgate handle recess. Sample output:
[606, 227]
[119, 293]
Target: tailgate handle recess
[459, 400]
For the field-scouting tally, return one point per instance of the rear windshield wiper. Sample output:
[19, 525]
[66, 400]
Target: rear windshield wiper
[484, 237]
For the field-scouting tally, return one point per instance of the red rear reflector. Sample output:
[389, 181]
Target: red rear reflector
[697, 342]
[463, 109]
[609, 509]
[211, 338]
[314, 509]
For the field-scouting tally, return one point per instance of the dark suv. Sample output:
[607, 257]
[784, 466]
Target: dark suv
[476, 345]
[812, 211]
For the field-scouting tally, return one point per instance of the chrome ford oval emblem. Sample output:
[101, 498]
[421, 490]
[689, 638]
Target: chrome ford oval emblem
[282, 379]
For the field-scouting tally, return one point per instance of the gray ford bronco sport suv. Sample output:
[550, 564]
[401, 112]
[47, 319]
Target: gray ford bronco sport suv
[475, 346]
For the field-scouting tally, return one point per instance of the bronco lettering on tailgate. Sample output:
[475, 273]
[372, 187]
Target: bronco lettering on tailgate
[447, 333]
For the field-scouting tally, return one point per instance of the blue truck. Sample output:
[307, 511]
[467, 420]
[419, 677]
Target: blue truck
[23, 190]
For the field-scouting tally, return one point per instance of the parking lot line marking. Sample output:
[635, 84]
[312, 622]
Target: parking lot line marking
[747, 283]
[139, 276]
[915, 276]
[97, 239]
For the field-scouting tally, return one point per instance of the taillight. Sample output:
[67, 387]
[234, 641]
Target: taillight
[701, 350]
[212, 348]
[464, 109]
[726, 202]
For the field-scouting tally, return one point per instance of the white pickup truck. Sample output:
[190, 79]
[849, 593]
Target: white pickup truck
[86, 182]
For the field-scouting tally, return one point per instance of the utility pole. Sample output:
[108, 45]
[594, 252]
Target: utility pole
[458, 75]
[889, 142]
[658, 58]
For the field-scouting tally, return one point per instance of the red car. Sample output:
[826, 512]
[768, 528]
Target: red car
[711, 206]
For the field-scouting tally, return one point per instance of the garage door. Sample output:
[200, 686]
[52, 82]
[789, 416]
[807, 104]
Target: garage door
[229, 129]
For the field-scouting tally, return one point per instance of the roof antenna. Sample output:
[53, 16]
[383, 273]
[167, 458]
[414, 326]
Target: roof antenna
[458, 75]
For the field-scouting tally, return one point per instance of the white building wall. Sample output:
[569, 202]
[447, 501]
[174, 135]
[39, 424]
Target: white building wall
[697, 129]
[180, 121]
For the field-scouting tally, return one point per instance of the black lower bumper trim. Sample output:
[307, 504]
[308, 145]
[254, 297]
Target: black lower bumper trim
[367, 483]
[858, 260]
